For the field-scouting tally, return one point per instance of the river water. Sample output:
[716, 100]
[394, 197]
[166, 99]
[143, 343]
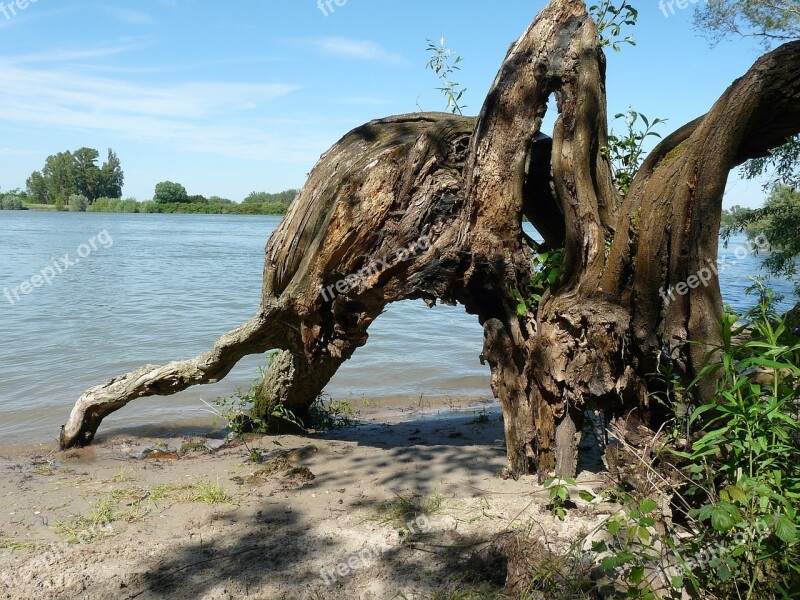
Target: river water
[127, 290]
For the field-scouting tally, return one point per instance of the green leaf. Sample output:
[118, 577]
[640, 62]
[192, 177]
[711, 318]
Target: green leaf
[763, 362]
[587, 496]
[722, 519]
[736, 493]
[647, 505]
[699, 411]
[786, 530]
[637, 575]
[703, 441]
[609, 562]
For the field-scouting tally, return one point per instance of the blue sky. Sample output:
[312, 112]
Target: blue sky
[232, 97]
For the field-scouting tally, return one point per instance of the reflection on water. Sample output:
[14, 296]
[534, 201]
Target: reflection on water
[171, 284]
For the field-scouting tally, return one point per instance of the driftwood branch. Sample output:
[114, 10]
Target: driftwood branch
[153, 380]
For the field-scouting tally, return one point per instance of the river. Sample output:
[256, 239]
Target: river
[129, 289]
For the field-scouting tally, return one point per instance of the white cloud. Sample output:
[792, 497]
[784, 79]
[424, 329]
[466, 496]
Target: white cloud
[132, 17]
[65, 56]
[357, 49]
[201, 116]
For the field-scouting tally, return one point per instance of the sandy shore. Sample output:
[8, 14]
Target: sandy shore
[340, 514]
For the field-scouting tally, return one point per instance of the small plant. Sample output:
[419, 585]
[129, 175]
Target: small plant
[256, 456]
[85, 529]
[546, 267]
[745, 467]
[559, 495]
[198, 491]
[13, 545]
[402, 508]
[237, 413]
[610, 19]
[327, 413]
[626, 152]
[124, 476]
[481, 419]
[209, 493]
[444, 63]
[635, 548]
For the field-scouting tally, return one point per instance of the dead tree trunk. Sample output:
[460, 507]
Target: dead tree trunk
[601, 328]
[376, 222]
[429, 206]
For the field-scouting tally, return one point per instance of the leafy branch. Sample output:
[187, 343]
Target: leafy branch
[626, 152]
[611, 19]
[444, 63]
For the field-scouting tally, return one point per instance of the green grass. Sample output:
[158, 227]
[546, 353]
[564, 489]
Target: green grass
[403, 508]
[47, 207]
[481, 419]
[124, 476]
[199, 491]
[130, 505]
[13, 545]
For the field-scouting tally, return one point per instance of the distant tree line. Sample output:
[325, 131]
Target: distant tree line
[171, 197]
[13, 200]
[75, 181]
[170, 200]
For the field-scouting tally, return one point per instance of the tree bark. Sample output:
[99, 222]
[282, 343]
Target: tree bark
[429, 206]
[293, 382]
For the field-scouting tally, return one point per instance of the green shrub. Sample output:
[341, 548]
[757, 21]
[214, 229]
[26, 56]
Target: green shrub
[734, 528]
[745, 468]
[129, 205]
[78, 203]
[11, 202]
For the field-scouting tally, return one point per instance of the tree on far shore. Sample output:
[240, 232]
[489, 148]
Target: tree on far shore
[169, 192]
[68, 174]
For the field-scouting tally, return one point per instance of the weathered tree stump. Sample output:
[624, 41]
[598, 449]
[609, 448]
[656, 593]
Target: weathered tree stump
[429, 206]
